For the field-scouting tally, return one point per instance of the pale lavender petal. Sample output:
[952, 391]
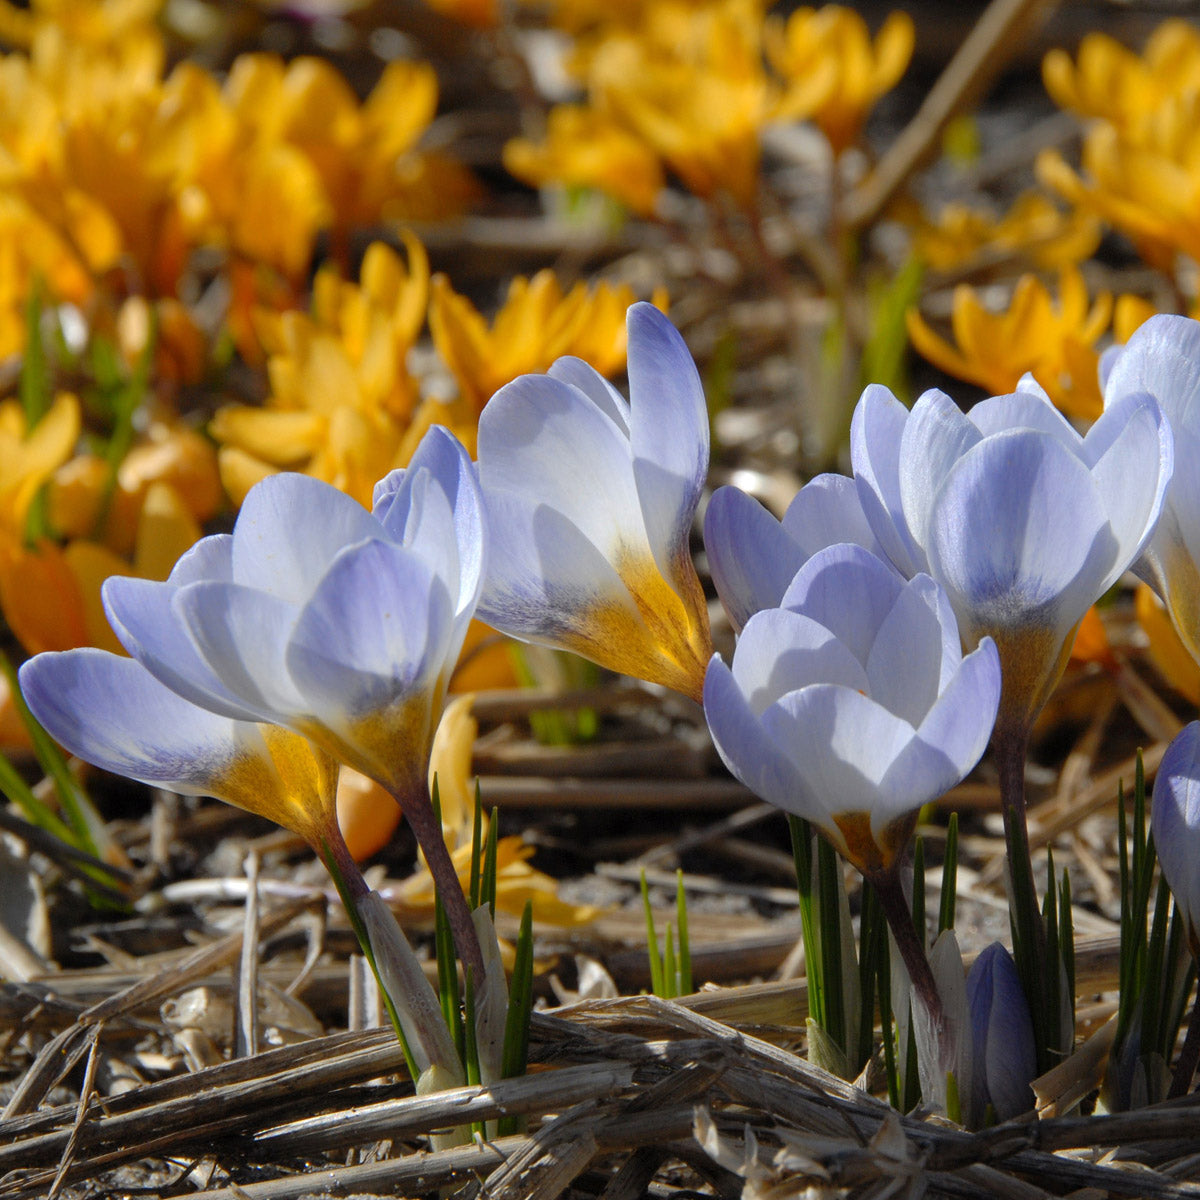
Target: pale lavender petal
[1175, 822]
[849, 591]
[1024, 409]
[442, 458]
[906, 661]
[595, 387]
[242, 634]
[1132, 474]
[958, 726]
[1162, 358]
[745, 747]
[751, 557]
[376, 631]
[113, 713]
[142, 616]
[544, 576]
[1019, 537]
[209, 558]
[936, 435]
[544, 445]
[875, 432]
[289, 528]
[780, 651]
[843, 743]
[668, 433]
[826, 511]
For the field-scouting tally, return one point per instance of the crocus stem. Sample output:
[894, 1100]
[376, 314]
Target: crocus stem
[352, 889]
[418, 811]
[1185, 1068]
[909, 942]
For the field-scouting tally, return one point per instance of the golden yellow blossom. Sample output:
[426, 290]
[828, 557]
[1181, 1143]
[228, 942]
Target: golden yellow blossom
[1148, 187]
[365, 154]
[1034, 227]
[587, 148]
[691, 85]
[28, 457]
[1117, 85]
[537, 324]
[1055, 342]
[833, 73]
[1169, 655]
[343, 406]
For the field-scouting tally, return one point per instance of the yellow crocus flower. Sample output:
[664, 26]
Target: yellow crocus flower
[587, 148]
[1054, 342]
[1034, 226]
[343, 406]
[1113, 83]
[833, 72]
[537, 324]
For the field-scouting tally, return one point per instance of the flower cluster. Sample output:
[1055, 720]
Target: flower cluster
[690, 88]
[115, 172]
[1141, 153]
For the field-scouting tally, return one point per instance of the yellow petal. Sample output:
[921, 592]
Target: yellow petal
[1167, 651]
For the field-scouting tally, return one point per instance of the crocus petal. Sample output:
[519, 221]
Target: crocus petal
[1023, 409]
[875, 432]
[826, 511]
[665, 394]
[242, 634]
[745, 746]
[821, 587]
[949, 741]
[936, 435]
[110, 711]
[443, 456]
[1005, 1055]
[1018, 535]
[1131, 431]
[777, 646]
[843, 742]
[544, 441]
[373, 630]
[1175, 822]
[209, 558]
[141, 614]
[595, 387]
[1162, 358]
[906, 664]
[750, 555]
[267, 553]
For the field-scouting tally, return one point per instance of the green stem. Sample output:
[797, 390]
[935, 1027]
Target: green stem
[352, 888]
[418, 811]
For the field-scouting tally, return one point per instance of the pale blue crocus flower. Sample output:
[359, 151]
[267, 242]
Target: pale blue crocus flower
[590, 501]
[753, 557]
[1024, 522]
[1004, 1054]
[1163, 358]
[338, 624]
[852, 704]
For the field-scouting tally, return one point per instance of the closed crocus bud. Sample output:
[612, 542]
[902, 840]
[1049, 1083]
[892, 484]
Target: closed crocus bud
[590, 501]
[1024, 522]
[1175, 824]
[1163, 358]
[1004, 1055]
[852, 705]
[753, 557]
